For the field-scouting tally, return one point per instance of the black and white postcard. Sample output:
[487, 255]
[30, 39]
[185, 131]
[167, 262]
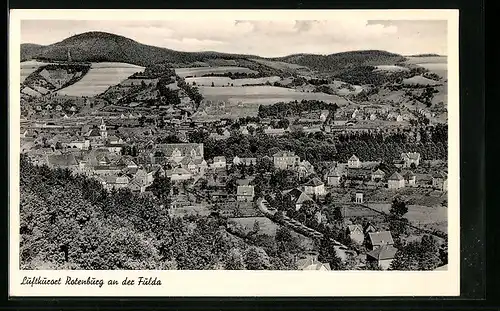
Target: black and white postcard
[234, 153]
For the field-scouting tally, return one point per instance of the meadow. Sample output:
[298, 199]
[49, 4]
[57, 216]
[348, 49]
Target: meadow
[99, 78]
[28, 67]
[200, 71]
[264, 95]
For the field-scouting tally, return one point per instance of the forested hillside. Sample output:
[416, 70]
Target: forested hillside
[71, 222]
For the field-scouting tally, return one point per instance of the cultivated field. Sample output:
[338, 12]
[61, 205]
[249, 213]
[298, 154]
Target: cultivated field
[200, 71]
[28, 67]
[264, 95]
[390, 68]
[419, 80]
[226, 81]
[99, 78]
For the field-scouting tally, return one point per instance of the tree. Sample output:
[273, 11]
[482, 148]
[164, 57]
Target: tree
[328, 254]
[213, 84]
[398, 208]
[337, 214]
[417, 255]
[256, 259]
[235, 260]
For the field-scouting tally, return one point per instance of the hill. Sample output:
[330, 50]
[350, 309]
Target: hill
[338, 62]
[107, 47]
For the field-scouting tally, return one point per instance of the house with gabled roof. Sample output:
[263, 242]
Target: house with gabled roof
[353, 162]
[382, 256]
[396, 181]
[311, 262]
[314, 187]
[333, 177]
[245, 193]
[298, 197]
[379, 238]
[410, 178]
[378, 175]
[285, 160]
[356, 233]
[410, 158]
[440, 181]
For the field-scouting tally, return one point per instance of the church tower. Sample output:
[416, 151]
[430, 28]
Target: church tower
[102, 129]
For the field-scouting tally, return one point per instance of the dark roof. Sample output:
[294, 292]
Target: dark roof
[381, 238]
[440, 175]
[396, 176]
[314, 182]
[383, 252]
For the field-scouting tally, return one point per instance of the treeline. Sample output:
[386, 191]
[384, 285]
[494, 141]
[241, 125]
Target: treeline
[234, 75]
[294, 108]
[168, 96]
[70, 222]
[363, 75]
[191, 91]
[315, 148]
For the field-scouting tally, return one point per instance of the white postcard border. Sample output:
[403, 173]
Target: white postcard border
[243, 283]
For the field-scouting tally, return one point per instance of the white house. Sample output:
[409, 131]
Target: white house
[219, 162]
[315, 186]
[410, 158]
[354, 162]
[396, 181]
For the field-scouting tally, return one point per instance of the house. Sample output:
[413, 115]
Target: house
[353, 162]
[177, 152]
[311, 263]
[380, 238]
[113, 140]
[219, 162]
[179, 174]
[410, 178]
[305, 168]
[396, 181]
[285, 160]
[116, 149]
[359, 197]
[382, 256]
[115, 182]
[333, 177]
[410, 158]
[245, 193]
[356, 233]
[195, 166]
[368, 227]
[82, 144]
[378, 175]
[324, 115]
[298, 197]
[440, 181]
[315, 187]
[244, 161]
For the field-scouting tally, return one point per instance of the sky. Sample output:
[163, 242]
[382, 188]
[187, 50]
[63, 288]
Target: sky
[262, 38]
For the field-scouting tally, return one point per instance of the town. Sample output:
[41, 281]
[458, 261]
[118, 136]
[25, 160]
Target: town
[335, 177]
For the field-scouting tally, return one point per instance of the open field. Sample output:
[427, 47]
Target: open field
[436, 64]
[28, 67]
[99, 78]
[390, 68]
[266, 225]
[420, 80]
[264, 95]
[200, 71]
[226, 81]
[421, 216]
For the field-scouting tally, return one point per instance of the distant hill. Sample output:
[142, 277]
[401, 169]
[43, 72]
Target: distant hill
[425, 55]
[340, 61]
[107, 47]
[29, 49]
